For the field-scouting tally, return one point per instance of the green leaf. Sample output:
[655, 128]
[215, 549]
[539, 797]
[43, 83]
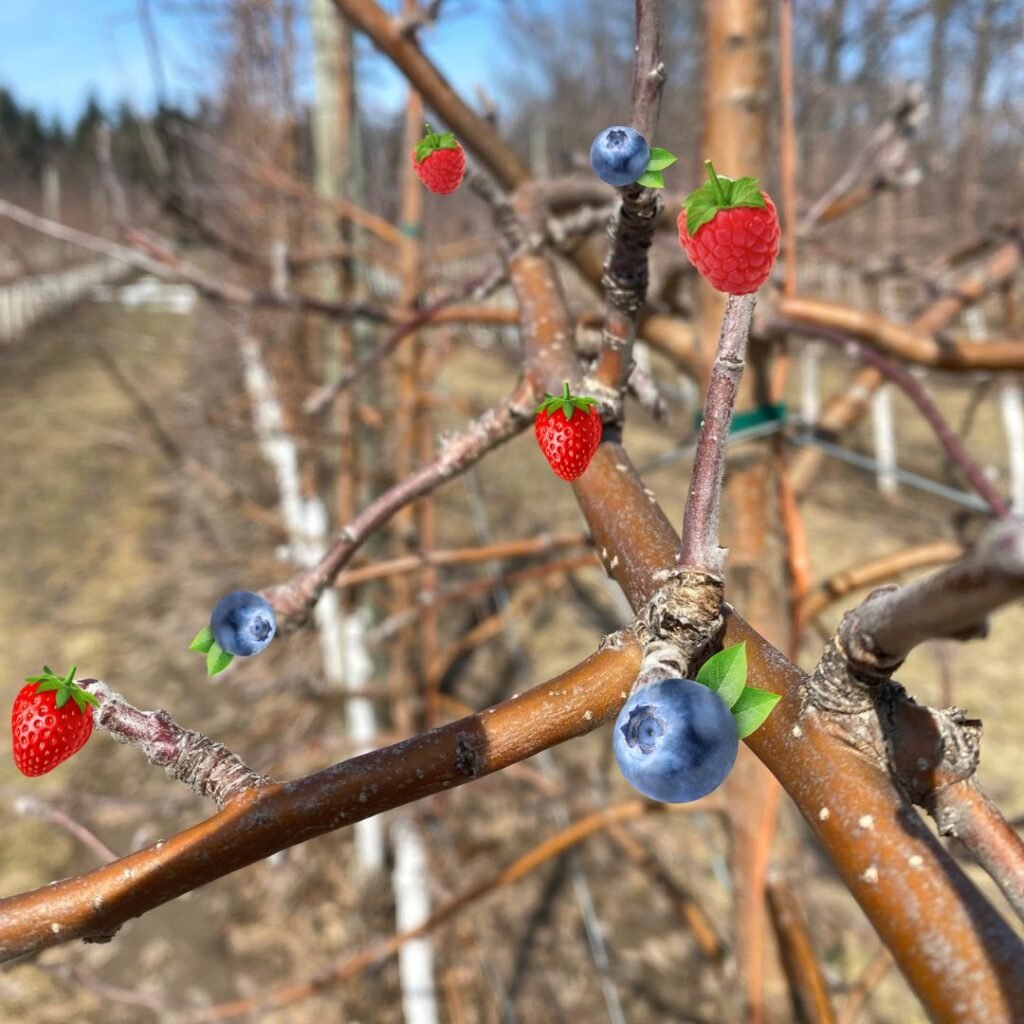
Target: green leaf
[63, 696]
[651, 179]
[217, 659]
[746, 192]
[699, 213]
[726, 673]
[719, 193]
[87, 697]
[752, 708]
[202, 641]
[433, 141]
[660, 159]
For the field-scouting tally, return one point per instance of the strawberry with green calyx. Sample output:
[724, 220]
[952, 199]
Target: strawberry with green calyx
[568, 429]
[51, 720]
[730, 231]
[439, 162]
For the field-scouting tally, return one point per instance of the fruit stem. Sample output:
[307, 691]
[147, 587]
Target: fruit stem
[716, 186]
[566, 393]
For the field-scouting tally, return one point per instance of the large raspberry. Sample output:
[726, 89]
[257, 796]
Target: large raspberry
[730, 231]
[440, 162]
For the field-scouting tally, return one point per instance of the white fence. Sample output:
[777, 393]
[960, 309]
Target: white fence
[25, 302]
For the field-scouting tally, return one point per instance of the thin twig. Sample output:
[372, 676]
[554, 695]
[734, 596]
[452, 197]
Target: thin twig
[169, 267]
[807, 988]
[30, 805]
[914, 390]
[476, 289]
[293, 601]
[208, 768]
[700, 547]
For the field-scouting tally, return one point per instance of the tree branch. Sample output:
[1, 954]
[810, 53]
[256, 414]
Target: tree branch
[915, 391]
[954, 603]
[700, 547]
[267, 818]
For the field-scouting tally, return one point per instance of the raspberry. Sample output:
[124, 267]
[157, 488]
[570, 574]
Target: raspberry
[440, 162]
[730, 231]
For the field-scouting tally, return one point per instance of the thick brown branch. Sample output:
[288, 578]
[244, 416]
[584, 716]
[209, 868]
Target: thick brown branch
[878, 570]
[269, 818]
[475, 133]
[953, 603]
[964, 811]
[903, 343]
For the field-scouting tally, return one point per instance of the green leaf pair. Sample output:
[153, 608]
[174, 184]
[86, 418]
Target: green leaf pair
[726, 674]
[217, 659]
[659, 160]
[719, 193]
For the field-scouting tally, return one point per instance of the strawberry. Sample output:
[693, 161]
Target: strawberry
[50, 721]
[730, 231]
[439, 161]
[567, 440]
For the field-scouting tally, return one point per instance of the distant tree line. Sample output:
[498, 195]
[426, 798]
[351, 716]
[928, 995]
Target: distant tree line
[28, 142]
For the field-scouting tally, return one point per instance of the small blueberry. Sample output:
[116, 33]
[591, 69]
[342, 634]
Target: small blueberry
[675, 740]
[619, 155]
[243, 623]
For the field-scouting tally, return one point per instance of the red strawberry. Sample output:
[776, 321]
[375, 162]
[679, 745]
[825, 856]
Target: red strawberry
[730, 231]
[50, 721]
[569, 430]
[439, 161]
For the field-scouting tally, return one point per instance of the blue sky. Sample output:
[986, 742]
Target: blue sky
[54, 53]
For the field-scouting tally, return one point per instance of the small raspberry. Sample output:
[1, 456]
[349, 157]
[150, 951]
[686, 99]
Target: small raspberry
[440, 162]
[730, 231]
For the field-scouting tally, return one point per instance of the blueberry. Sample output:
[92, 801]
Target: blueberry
[675, 740]
[243, 623]
[619, 155]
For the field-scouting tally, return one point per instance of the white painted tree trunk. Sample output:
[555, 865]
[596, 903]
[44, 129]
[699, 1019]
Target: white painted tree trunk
[881, 414]
[411, 884]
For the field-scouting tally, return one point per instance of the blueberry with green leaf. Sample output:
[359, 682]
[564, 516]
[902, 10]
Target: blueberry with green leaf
[620, 155]
[676, 740]
[242, 624]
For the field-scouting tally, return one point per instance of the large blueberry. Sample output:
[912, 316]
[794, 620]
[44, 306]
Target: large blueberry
[675, 740]
[619, 155]
[243, 623]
